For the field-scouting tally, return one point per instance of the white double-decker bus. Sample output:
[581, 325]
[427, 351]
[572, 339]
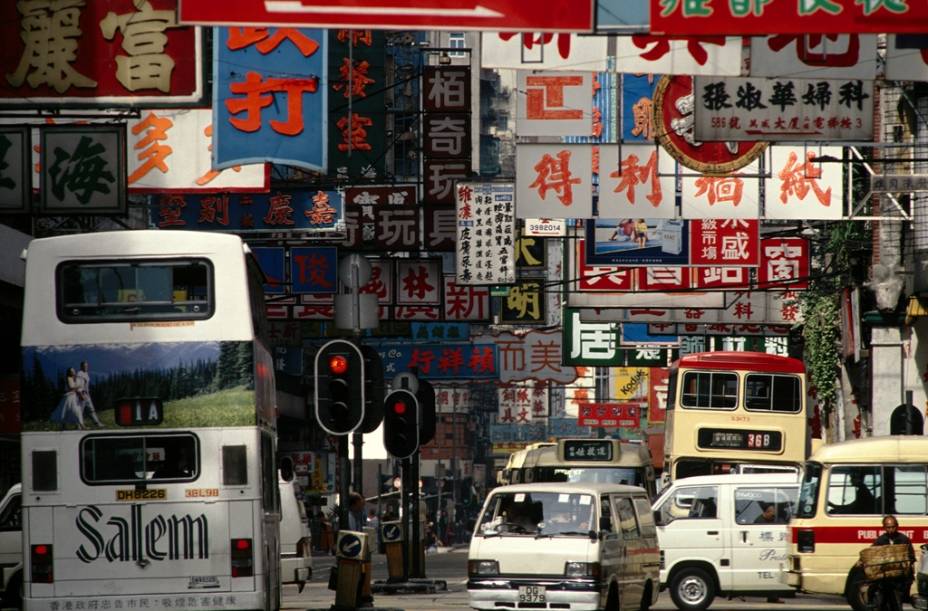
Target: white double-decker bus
[149, 470]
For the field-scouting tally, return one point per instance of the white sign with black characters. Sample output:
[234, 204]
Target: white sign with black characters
[485, 248]
[782, 109]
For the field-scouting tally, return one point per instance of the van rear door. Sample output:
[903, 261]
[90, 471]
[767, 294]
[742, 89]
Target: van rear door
[759, 536]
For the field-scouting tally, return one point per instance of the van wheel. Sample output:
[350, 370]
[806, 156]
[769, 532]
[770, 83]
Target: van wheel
[612, 601]
[692, 589]
[646, 598]
[13, 596]
[856, 590]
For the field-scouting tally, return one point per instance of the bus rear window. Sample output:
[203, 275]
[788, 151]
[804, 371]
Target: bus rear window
[709, 390]
[125, 459]
[111, 291]
[765, 392]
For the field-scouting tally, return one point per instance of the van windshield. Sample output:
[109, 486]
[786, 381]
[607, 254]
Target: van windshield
[629, 476]
[808, 494]
[538, 513]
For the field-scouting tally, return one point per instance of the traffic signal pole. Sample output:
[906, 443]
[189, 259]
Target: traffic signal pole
[344, 482]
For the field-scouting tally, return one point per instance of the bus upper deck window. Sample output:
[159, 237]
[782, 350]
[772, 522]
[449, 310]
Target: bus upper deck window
[44, 470]
[109, 291]
[234, 466]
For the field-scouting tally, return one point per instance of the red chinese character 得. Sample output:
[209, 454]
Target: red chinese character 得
[554, 174]
[354, 134]
[257, 94]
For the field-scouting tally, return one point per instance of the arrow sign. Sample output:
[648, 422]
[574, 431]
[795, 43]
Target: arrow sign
[494, 15]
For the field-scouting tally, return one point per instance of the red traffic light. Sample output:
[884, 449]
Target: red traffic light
[338, 364]
[399, 408]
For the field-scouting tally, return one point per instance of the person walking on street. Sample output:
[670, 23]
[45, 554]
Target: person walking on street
[895, 590]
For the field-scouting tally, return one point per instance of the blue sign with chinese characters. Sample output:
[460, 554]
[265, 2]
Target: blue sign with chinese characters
[313, 269]
[439, 331]
[637, 105]
[272, 261]
[269, 97]
[441, 361]
[242, 212]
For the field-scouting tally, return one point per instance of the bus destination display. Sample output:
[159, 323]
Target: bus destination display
[588, 449]
[738, 439]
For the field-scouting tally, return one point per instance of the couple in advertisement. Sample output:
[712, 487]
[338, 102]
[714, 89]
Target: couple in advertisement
[76, 401]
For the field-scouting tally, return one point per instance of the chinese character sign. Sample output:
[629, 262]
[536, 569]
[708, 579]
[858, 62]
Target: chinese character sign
[734, 195]
[83, 169]
[485, 248]
[446, 96]
[554, 180]
[171, 150]
[600, 277]
[100, 52]
[356, 120]
[313, 269]
[242, 212]
[658, 387]
[272, 261]
[784, 263]
[15, 177]
[466, 302]
[758, 17]
[639, 184]
[382, 228]
[524, 303]
[802, 186]
[554, 103]
[269, 97]
[610, 415]
[544, 51]
[783, 109]
[725, 242]
[418, 282]
[815, 56]
[535, 355]
[638, 107]
[441, 362]
[588, 343]
[643, 54]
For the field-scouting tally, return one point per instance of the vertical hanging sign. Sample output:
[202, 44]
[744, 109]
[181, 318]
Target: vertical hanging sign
[357, 122]
[485, 216]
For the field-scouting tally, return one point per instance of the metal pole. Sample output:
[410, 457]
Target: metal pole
[405, 505]
[417, 569]
[344, 482]
[357, 440]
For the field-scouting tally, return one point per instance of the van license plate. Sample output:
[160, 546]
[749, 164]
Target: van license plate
[532, 594]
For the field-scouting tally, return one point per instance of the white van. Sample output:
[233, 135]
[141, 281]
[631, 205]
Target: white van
[725, 534]
[578, 546]
[296, 561]
[11, 548]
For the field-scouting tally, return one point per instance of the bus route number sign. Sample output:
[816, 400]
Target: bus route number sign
[588, 449]
[738, 439]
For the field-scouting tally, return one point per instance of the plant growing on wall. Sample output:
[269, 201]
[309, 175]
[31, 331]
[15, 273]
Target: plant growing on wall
[835, 252]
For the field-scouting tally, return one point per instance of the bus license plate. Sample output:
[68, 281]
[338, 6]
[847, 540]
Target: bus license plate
[531, 594]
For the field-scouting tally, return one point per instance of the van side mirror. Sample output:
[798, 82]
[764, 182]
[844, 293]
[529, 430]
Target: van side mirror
[605, 523]
[657, 518]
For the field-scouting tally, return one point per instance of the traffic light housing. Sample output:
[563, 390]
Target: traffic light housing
[401, 423]
[339, 387]
[373, 390]
[426, 397]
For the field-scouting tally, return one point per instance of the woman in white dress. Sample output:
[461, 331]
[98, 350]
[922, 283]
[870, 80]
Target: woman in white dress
[69, 410]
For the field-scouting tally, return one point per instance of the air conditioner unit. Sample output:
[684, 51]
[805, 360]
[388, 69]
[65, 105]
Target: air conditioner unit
[672, 237]
[352, 545]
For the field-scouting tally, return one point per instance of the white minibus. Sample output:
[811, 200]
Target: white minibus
[724, 534]
[579, 546]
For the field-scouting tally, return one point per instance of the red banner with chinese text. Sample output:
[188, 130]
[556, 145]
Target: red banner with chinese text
[610, 415]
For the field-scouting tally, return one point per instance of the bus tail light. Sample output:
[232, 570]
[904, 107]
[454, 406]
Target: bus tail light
[243, 558]
[42, 562]
[805, 540]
